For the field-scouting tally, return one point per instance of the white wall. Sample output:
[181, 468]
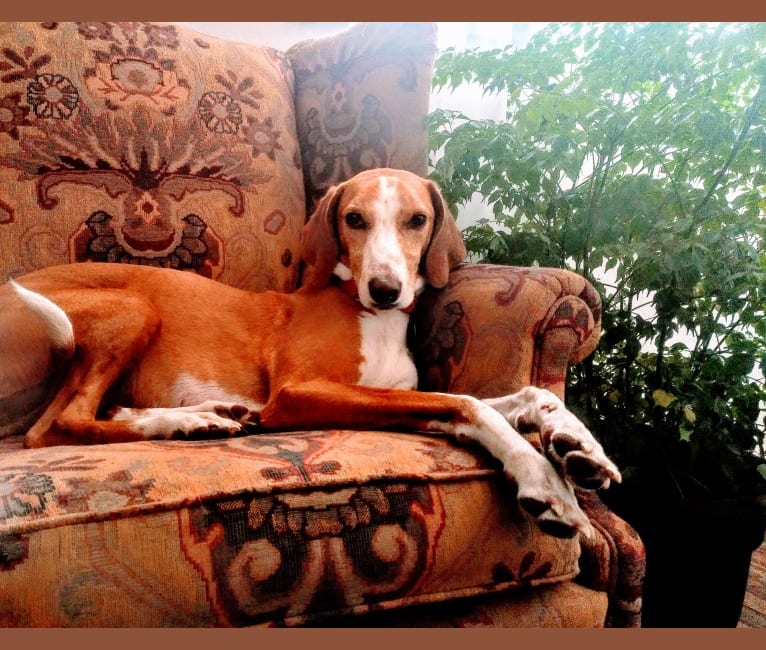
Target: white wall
[278, 35]
[284, 34]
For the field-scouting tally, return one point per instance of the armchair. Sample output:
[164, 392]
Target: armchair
[151, 144]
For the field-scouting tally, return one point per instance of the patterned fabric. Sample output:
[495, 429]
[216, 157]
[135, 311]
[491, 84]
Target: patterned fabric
[621, 552]
[350, 92]
[548, 318]
[564, 604]
[279, 529]
[148, 144]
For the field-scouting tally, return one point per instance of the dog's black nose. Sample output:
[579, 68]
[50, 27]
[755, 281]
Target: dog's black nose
[384, 292]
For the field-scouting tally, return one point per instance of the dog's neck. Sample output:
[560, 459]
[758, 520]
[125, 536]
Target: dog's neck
[386, 361]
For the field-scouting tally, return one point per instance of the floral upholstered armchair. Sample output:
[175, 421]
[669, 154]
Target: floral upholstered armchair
[144, 143]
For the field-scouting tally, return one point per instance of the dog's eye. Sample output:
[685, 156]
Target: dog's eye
[417, 221]
[355, 221]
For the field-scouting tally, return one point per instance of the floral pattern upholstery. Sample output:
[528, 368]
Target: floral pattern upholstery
[321, 524]
[350, 92]
[460, 329]
[151, 144]
[148, 144]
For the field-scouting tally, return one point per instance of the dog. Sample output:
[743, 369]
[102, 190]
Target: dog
[100, 353]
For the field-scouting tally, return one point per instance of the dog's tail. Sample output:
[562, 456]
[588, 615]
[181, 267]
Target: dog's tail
[57, 324]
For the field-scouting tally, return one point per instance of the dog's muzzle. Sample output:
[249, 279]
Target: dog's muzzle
[384, 293]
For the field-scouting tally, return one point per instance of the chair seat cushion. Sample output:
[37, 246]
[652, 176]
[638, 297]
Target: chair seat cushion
[287, 529]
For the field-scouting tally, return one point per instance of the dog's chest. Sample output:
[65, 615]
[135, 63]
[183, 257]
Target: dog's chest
[386, 361]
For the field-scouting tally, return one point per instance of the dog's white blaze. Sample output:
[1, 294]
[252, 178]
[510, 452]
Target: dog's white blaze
[383, 256]
[388, 200]
[386, 361]
[188, 391]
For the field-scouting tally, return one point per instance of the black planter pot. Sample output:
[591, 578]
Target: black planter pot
[697, 560]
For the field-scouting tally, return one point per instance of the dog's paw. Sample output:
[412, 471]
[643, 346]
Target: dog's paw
[249, 417]
[548, 499]
[572, 448]
[201, 426]
[181, 422]
[567, 443]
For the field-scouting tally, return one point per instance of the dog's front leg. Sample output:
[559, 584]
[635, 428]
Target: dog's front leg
[567, 443]
[541, 491]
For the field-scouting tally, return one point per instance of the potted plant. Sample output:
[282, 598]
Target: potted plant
[635, 154]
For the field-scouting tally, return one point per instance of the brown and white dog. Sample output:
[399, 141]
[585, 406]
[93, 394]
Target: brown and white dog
[98, 353]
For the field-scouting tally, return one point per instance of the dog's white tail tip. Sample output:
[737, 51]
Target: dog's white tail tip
[57, 323]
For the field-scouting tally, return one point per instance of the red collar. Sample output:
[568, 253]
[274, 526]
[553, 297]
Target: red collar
[349, 288]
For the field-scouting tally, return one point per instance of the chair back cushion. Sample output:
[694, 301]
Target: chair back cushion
[361, 101]
[148, 143]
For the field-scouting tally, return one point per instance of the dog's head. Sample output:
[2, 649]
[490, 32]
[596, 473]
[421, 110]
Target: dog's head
[388, 230]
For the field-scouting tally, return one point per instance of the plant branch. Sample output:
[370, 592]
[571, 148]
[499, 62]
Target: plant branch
[758, 102]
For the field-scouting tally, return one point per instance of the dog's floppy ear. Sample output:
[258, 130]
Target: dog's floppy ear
[446, 249]
[320, 248]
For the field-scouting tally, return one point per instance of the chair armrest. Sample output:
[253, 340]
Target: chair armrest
[495, 329]
[350, 92]
[613, 561]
